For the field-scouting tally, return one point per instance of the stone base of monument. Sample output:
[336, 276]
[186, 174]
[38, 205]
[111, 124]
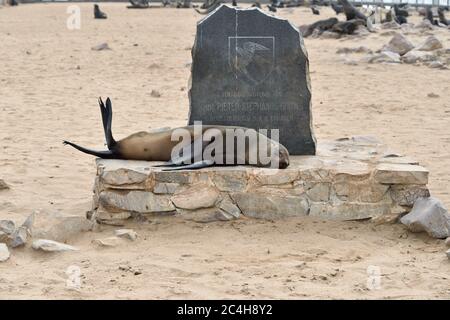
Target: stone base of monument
[348, 179]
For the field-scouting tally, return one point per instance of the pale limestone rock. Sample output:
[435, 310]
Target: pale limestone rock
[388, 173]
[165, 188]
[51, 246]
[315, 175]
[360, 49]
[361, 191]
[436, 65]
[390, 25]
[406, 195]
[230, 180]
[429, 215]
[447, 242]
[227, 205]
[267, 206]
[350, 178]
[19, 237]
[135, 201]
[100, 47]
[274, 177]
[7, 226]
[414, 56]
[3, 185]
[196, 197]
[448, 253]
[398, 44]
[123, 177]
[129, 234]
[424, 24]
[181, 177]
[330, 35]
[389, 33]
[318, 191]
[385, 56]
[361, 31]
[108, 242]
[56, 226]
[430, 44]
[349, 210]
[4, 237]
[115, 217]
[4, 252]
[205, 215]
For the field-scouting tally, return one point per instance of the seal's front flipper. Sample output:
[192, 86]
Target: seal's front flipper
[193, 166]
[189, 154]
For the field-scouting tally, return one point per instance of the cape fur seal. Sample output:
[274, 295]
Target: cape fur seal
[202, 147]
[98, 14]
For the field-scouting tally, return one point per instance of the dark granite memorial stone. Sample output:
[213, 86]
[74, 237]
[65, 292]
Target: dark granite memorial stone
[251, 69]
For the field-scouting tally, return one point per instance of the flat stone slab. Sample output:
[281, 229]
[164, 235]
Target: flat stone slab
[349, 179]
[251, 69]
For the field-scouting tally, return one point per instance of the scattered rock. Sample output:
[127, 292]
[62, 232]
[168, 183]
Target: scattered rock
[126, 233]
[155, 94]
[432, 95]
[56, 226]
[390, 25]
[424, 24]
[361, 31]
[385, 56]
[414, 56]
[436, 65]
[108, 242]
[4, 252]
[448, 253]
[19, 237]
[51, 246]
[4, 237]
[360, 49]
[3, 185]
[447, 242]
[350, 62]
[102, 46]
[205, 215]
[7, 226]
[429, 215]
[330, 35]
[389, 33]
[398, 44]
[135, 201]
[196, 197]
[431, 43]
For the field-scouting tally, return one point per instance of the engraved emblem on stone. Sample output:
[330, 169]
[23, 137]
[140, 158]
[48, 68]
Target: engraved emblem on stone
[252, 59]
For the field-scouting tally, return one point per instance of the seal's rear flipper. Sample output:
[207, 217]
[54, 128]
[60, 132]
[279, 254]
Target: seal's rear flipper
[195, 165]
[106, 111]
[101, 154]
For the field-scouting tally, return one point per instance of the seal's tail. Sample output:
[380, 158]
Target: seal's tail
[101, 154]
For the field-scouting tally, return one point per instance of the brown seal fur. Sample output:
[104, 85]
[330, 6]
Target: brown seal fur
[158, 146]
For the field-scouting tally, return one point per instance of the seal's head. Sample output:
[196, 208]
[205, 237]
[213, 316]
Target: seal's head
[283, 158]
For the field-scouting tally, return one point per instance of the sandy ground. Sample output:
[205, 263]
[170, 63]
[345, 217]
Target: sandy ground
[49, 83]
